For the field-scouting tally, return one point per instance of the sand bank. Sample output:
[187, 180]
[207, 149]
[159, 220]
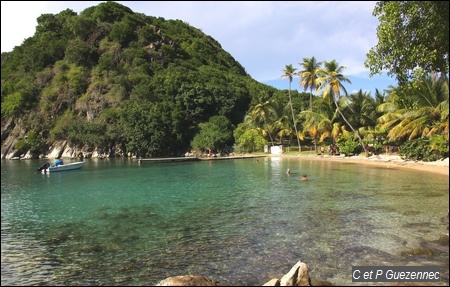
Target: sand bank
[388, 161]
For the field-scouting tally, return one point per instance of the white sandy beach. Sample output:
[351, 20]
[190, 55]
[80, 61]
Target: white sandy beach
[388, 161]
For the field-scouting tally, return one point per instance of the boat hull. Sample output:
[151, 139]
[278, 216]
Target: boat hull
[68, 166]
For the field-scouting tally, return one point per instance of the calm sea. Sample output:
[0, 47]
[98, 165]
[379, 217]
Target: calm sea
[240, 222]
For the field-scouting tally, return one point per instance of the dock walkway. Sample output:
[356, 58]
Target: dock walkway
[191, 158]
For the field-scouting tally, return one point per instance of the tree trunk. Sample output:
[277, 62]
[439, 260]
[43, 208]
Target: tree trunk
[293, 120]
[270, 135]
[356, 132]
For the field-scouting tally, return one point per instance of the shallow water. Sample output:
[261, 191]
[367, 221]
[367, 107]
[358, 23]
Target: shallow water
[241, 222]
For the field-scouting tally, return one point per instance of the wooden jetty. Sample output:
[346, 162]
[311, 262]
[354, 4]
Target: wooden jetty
[192, 158]
[168, 159]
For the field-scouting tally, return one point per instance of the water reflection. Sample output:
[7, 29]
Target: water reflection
[120, 223]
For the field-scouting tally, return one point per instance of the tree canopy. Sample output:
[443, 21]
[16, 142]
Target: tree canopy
[411, 35]
[126, 84]
[141, 84]
[215, 135]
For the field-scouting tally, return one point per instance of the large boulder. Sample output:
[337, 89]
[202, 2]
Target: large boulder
[188, 280]
[297, 276]
[57, 150]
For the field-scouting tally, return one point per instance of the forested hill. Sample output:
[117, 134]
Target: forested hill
[119, 82]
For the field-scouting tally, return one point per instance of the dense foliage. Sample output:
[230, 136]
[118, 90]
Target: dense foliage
[421, 149]
[215, 135]
[123, 83]
[110, 77]
[412, 35]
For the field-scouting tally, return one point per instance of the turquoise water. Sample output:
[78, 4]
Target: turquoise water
[241, 222]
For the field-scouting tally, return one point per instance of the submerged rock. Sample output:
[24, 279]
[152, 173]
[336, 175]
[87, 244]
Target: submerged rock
[188, 280]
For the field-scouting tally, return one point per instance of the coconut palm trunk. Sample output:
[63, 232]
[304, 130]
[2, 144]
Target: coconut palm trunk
[293, 119]
[351, 127]
[289, 72]
[331, 80]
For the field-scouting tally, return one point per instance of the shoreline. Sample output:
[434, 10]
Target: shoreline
[387, 161]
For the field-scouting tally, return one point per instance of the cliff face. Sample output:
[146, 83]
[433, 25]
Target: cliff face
[58, 149]
[112, 82]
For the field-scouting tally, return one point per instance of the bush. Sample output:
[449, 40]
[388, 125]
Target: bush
[22, 145]
[421, 149]
[347, 145]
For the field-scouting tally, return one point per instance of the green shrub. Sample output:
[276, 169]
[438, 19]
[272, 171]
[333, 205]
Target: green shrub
[347, 145]
[422, 149]
[22, 145]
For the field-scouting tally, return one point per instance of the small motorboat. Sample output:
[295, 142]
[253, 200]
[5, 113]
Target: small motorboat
[59, 165]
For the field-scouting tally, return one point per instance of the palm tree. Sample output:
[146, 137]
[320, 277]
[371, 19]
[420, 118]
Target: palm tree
[322, 121]
[262, 112]
[420, 110]
[289, 73]
[361, 110]
[281, 120]
[331, 83]
[308, 76]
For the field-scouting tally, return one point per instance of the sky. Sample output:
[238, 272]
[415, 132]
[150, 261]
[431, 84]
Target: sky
[263, 36]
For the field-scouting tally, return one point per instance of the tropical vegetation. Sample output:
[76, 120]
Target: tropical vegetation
[118, 82]
[122, 83]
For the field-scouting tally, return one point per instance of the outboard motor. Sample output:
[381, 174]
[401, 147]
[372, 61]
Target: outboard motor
[44, 166]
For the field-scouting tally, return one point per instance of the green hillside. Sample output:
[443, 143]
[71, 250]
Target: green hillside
[119, 82]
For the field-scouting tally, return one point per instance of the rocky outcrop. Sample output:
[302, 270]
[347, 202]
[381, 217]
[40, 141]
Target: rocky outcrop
[10, 133]
[297, 276]
[8, 150]
[188, 280]
[59, 149]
